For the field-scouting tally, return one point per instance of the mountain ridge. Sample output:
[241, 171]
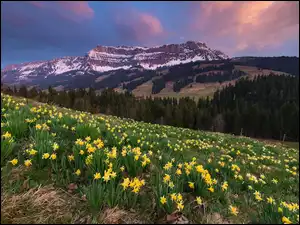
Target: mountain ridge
[107, 58]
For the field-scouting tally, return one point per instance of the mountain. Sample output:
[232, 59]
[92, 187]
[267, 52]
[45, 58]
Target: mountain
[107, 58]
[182, 70]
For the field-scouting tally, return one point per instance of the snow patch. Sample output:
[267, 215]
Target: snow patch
[142, 56]
[30, 66]
[61, 67]
[99, 55]
[172, 62]
[129, 47]
[108, 68]
[27, 72]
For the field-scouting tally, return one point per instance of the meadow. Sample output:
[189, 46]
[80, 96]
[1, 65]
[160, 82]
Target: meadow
[156, 173]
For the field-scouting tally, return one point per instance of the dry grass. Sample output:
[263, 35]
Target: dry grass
[119, 216]
[48, 204]
[43, 205]
[144, 89]
[216, 218]
[252, 71]
[198, 90]
[207, 65]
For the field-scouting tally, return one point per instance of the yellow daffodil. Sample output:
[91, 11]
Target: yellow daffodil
[286, 220]
[88, 138]
[14, 162]
[191, 185]
[173, 196]
[71, 157]
[178, 172]
[166, 178]
[180, 206]
[78, 172]
[45, 156]
[199, 200]
[6, 135]
[53, 156]
[81, 152]
[211, 189]
[97, 176]
[270, 200]
[55, 146]
[163, 200]
[233, 210]
[28, 162]
[171, 185]
[125, 183]
[224, 186]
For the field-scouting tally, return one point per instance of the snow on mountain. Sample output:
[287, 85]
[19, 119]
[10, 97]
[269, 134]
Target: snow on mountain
[107, 58]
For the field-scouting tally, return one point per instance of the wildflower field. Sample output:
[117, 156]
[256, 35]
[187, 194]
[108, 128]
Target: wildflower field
[161, 173]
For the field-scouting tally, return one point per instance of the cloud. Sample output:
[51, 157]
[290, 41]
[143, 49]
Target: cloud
[44, 30]
[36, 4]
[251, 25]
[80, 9]
[38, 30]
[75, 11]
[138, 26]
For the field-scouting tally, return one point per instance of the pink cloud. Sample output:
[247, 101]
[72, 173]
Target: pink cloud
[255, 25]
[139, 26]
[79, 8]
[75, 11]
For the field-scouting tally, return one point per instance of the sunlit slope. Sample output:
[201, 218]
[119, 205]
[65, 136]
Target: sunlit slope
[152, 168]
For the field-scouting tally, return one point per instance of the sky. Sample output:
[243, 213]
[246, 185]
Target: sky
[33, 31]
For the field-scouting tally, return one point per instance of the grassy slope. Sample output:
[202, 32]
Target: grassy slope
[198, 90]
[21, 195]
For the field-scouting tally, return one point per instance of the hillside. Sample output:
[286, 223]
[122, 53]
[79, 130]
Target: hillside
[206, 86]
[260, 107]
[176, 174]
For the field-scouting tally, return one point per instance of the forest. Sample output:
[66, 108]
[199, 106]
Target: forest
[263, 107]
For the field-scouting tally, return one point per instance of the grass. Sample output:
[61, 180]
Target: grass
[294, 145]
[104, 169]
[288, 144]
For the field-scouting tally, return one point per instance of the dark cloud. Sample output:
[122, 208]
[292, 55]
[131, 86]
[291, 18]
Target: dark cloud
[27, 26]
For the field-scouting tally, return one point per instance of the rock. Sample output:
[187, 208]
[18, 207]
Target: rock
[171, 218]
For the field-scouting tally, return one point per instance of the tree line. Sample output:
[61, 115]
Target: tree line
[262, 107]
